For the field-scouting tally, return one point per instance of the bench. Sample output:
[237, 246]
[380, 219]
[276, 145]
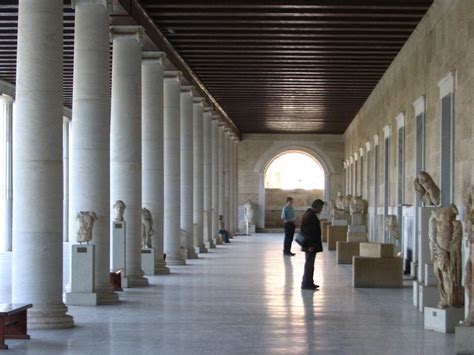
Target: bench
[13, 322]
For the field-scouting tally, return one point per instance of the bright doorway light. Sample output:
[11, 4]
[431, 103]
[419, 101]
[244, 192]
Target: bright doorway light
[294, 170]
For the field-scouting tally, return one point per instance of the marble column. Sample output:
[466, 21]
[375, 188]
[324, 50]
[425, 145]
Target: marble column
[89, 167]
[198, 175]
[172, 168]
[222, 153]
[207, 178]
[125, 142]
[232, 185]
[236, 184]
[187, 155]
[37, 257]
[215, 134]
[152, 149]
[227, 180]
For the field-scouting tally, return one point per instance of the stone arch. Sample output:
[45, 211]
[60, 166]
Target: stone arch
[276, 150]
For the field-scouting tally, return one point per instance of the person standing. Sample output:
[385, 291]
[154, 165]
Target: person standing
[311, 229]
[288, 217]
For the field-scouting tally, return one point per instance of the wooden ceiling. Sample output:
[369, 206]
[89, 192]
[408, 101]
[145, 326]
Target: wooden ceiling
[273, 66]
[288, 66]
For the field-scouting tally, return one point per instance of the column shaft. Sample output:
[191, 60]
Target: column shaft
[37, 165]
[171, 183]
[125, 143]
[207, 178]
[198, 176]
[89, 184]
[152, 149]
[187, 170]
[227, 180]
[222, 172]
[215, 179]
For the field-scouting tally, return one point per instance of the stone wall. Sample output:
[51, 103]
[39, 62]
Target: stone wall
[443, 42]
[256, 151]
[275, 199]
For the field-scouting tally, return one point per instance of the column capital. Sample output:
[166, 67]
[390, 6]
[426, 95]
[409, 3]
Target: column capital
[153, 56]
[198, 100]
[215, 117]
[207, 109]
[136, 32]
[6, 98]
[187, 89]
[173, 74]
[107, 3]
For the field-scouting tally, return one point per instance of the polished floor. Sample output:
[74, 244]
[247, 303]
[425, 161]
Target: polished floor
[244, 298]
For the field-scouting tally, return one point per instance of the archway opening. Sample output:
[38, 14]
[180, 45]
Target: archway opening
[296, 174]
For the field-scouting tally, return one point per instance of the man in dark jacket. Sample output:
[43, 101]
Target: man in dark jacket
[311, 229]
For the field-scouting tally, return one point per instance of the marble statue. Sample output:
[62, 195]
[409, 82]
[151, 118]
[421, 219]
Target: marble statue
[445, 234]
[392, 227]
[358, 205]
[147, 228]
[336, 212]
[249, 212]
[347, 203]
[85, 222]
[340, 201]
[469, 229]
[426, 189]
[119, 209]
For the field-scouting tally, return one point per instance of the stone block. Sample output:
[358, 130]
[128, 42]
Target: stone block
[357, 237]
[82, 276]
[324, 230]
[357, 229]
[416, 294]
[357, 220]
[345, 251]
[339, 222]
[428, 296]
[369, 272]
[443, 320]
[336, 234]
[464, 339]
[376, 250]
[148, 261]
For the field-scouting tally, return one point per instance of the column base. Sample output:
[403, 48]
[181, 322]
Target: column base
[202, 249]
[175, 260]
[161, 268]
[49, 317]
[106, 295]
[136, 281]
[211, 244]
[191, 253]
[81, 299]
[218, 240]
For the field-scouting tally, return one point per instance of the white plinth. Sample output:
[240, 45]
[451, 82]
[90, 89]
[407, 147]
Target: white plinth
[118, 244]
[412, 269]
[82, 276]
[250, 229]
[357, 228]
[464, 339]
[428, 296]
[339, 222]
[443, 320]
[416, 294]
[148, 261]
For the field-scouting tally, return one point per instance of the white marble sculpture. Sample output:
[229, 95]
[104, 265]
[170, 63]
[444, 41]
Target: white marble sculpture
[119, 209]
[358, 206]
[340, 201]
[249, 212]
[426, 189]
[85, 222]
[392, 227]
[445, 234]
[347, 203]
[147, 228]
[338, 213]
[469, 229]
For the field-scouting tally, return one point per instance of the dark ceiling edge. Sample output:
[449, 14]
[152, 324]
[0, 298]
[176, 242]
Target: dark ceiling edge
[140, 16]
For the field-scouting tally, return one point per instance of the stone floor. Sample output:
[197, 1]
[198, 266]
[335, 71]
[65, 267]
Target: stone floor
[244, 298]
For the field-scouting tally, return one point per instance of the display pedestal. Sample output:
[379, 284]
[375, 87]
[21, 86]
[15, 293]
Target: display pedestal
[428, 296]
[443, 320]
[339, 222]
[118, 244]
[336, 233]
[464, 339]
[324, 230]
[357, 237]
[376, 250]
[82, 276]
[377, 272]
[345, 251]
[148, 261]
[357, 220]
[250, 229]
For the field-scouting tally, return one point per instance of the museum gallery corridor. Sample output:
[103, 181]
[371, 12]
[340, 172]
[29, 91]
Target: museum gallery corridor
[244, 298]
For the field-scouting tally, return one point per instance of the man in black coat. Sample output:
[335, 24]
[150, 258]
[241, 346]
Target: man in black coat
[311, 229]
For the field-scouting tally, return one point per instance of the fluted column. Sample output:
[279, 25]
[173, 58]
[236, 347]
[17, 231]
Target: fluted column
[207, 178]
[215, 178]
[227, 179]
[236, 184]
[198, 176]
[152, 149]
[37, 165]
[232, 183]
[125, 142]
[222, 154]
[171, 183]
[89, 174]
[187, 155]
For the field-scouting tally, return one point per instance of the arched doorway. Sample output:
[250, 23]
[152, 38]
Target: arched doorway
[292, 173]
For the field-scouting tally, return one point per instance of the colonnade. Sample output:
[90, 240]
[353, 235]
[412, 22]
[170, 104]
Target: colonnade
[154, 143]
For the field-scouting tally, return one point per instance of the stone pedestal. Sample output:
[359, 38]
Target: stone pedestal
[339, 222]
[376, 250]
[357, 220]
[118, 250]
[429, 276]
[82, 276]
[336, 234]
[357, 237]
[324, 230]
[443, 320]
[370, 272]
[148, 261]
[345, 251]
[428, 296]
[464, 339]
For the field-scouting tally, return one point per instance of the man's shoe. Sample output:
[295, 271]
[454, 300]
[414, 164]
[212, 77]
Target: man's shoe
[310, 287]
[291, 254]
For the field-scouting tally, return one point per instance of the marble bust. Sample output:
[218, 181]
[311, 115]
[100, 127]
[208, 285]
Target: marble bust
[392, 227]
[336, 212]
[426, 189]
[358, 205]
[340, 201]
[119, 209]
[147, 228]
[445, 234]
[85, 222]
